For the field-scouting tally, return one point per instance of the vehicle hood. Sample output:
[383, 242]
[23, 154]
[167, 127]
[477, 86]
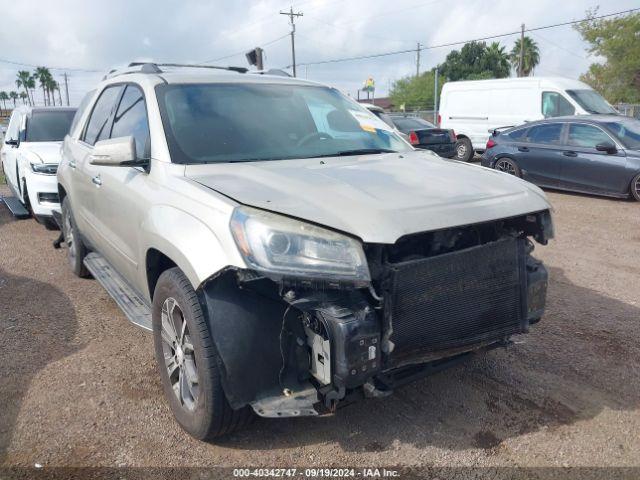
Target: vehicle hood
[44, 152]
[378, 198]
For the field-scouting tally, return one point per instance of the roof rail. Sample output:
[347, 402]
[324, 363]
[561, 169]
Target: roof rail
[151, 67]
[272, 71]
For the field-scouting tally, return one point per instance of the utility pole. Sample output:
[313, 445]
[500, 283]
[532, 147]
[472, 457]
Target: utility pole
[418, 60]
[435, 98]
[521, 62]
[66, 87]
[291, 16]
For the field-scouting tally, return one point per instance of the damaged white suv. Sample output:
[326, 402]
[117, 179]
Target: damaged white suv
[286, 247]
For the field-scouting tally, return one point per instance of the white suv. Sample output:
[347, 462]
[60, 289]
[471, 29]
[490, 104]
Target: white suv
[286, 247]
[30, 157]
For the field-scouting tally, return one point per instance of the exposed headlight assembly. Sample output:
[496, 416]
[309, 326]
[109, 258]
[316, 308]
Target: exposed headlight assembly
[45, 168]
[281, 245]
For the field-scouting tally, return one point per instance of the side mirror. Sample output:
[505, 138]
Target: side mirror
[115, 152]
[606, 147]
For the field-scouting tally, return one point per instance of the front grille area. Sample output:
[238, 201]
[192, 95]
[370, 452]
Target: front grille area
[459, 298]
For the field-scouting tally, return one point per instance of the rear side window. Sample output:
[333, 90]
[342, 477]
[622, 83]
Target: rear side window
[548, 133]
[131, 120]
[98, 128]
[586, 136]
[517, 134]
[555, 105]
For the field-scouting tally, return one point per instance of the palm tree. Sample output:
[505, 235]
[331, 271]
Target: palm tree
[23, 96]
[52, 86]
[4, 97]
[23, 81]
[531, 56]
[31, 84]
[14, 97]
[44, 76]
[496, 59]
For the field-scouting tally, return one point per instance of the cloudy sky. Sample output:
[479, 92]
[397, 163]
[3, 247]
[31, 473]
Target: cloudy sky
[85, 38]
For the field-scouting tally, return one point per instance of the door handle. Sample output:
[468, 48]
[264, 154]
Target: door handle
[523, 149]
[569, 153]
[72, 164]
[97, 180]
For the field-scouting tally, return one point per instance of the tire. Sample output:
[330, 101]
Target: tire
[464, 150]
[190, 368]
[507, 165]
[76, 251]
[635, 188]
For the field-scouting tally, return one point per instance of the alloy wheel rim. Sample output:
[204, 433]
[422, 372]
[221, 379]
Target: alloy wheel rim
[461, 151]
[506, 166]
[179, 355]
[638, 187]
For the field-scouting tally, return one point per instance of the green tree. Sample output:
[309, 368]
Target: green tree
[14, 97]
[617, 41]
[415, 93]
[23, 81]
[23, 96]
[476, 61]
[43, 75]
[4, 97]
[531, 56]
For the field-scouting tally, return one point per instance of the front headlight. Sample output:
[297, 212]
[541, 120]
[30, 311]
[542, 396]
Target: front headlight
[45, 168]
[277, 244]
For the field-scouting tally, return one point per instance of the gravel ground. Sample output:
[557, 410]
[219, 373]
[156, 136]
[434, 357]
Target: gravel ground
[80, 388]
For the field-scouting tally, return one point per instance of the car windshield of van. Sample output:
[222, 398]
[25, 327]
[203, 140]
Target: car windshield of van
[48, 126]
[238, 122]
[407, 124]
[591, 101]
[627, 131]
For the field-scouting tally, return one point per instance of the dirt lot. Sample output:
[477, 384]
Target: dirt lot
[79, 383]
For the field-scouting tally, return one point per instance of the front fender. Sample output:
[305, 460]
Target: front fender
[189, 242]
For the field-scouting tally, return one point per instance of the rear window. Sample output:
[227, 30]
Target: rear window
[49, 126]
[406, 124]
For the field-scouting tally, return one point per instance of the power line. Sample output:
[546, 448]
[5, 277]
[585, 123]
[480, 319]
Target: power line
[451, 44]
[70, 69]
[242, 52]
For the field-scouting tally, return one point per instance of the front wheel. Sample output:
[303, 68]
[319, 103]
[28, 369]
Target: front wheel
[507, 165]
[464, 150]
[190, 368]
[76, 251]
[635, 188]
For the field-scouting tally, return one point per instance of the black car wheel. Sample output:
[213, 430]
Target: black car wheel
[190, 368]
[507, 165]
[76, 251]
[635, 188]
[464, 150]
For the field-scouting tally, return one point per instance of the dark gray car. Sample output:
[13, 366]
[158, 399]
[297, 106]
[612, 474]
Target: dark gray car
[591, 154]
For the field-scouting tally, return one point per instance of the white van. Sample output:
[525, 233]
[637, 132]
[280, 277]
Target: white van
[473, 108]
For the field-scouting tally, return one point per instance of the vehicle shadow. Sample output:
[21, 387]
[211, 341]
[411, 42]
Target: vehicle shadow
[582, 358]
[30, 338]
[588, 195]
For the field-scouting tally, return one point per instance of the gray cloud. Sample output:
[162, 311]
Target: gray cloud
[93, 35]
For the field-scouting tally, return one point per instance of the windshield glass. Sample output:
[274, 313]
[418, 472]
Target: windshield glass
[406, 124]
[627, 131]
[252, 122]
[49, 126]
[591, 101]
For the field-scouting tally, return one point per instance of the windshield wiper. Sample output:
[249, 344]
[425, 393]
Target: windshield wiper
[359, 151]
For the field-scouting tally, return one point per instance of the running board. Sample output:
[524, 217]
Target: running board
[16, 208]
[137, 310]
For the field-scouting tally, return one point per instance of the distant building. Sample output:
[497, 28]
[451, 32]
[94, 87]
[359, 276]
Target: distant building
[384, 102]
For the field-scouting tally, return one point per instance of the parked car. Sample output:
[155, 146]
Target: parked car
[425, 135]
[30, 156]
[285, 246]
[384, 116]
[473, 108]
[592, 154]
